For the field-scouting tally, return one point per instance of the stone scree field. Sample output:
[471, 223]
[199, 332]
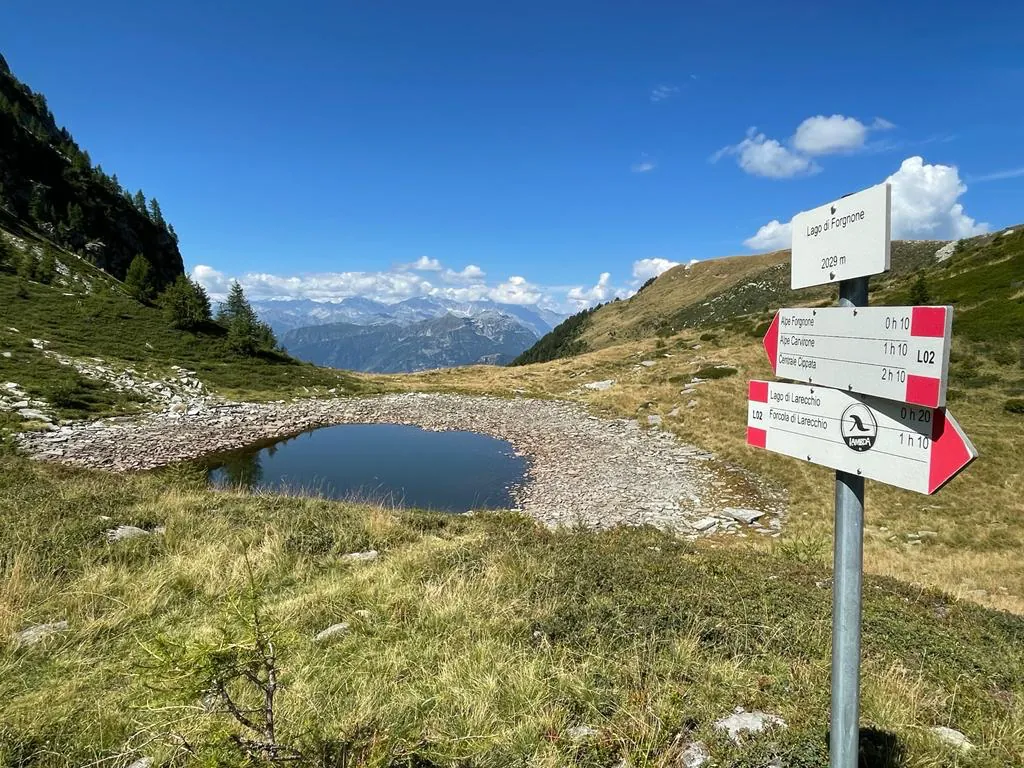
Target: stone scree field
[584, 470]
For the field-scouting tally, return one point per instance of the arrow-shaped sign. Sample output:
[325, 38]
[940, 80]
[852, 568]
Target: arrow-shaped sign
[900, 353]
[920, 449]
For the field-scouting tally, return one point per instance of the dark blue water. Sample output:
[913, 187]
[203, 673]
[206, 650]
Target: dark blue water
[398, 465]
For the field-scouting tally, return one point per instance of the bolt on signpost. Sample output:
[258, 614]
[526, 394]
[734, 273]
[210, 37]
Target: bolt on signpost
[873, 406]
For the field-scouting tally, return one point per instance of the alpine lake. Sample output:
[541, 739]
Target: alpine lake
[391, 464]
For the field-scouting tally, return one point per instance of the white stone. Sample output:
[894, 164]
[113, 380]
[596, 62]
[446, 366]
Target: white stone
[580, 733]
[600, 386]
[332, 631]
[694, 756]
[647, 363]
[39, 632]
[704, 523]
[142, 762]
[368, 555]
[33, 415]
[654, 419]
[740, 723]
[945, 251]
[123, 532]
[953, 737]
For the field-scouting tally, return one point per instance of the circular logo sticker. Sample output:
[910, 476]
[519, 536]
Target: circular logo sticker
[859, 427]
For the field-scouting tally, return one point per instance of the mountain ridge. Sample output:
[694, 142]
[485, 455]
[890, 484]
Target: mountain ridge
[445, 341]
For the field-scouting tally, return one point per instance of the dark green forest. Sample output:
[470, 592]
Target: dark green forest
[50, 184]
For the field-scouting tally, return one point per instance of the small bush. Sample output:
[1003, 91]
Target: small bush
[1014, 405]
[708, 336]
[715, 372]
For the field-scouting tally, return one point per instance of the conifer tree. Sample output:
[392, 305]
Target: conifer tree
[140, 202]
[156, 214]
[47, 270]
[185, 304]
[139, 279]
[247, 335]
[919, 293]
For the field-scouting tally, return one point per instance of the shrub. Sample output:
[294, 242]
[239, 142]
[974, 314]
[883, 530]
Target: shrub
[1014, 405]
[715, 372]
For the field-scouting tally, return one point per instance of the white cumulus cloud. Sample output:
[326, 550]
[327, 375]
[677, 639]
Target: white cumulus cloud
[426, 264]
[924, 202]
[925, 206]
[822, 135]
[645, 269]
[773, 236]
[760, 156]
[584, 297]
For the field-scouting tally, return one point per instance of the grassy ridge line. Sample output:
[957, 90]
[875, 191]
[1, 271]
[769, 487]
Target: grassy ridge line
[708, 293]
[474, 641]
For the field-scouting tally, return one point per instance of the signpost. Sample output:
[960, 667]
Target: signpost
[905, 445]
[872, 407]
[842, 240]
[901, 353]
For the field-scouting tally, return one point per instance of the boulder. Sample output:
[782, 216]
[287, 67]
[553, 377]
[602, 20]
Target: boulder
[600, 386]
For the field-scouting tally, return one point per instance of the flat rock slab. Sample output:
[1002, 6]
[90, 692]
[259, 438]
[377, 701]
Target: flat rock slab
[740, 723]
[600, 386]
[747, 516]
[583, 470]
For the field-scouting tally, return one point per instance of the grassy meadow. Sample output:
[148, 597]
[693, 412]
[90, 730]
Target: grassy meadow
[471, 640]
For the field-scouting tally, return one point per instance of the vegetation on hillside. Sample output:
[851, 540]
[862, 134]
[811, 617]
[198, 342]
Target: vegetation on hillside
[50, 184]
[470, 640]
[85, 314]
[562, 341]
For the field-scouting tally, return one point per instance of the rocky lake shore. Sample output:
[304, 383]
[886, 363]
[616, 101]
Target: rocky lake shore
[584, 470]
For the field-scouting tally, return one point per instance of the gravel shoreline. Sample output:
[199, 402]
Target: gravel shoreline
[584, 470]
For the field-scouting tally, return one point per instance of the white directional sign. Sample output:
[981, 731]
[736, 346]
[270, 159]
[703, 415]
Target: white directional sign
[842, 240]
[916, 448]
[900, 353]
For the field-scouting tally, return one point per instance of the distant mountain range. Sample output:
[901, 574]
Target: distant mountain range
[419, 333]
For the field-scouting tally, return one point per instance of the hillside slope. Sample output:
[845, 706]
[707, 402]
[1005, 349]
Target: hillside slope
[72, 343]
[50, 184]
[708, 292]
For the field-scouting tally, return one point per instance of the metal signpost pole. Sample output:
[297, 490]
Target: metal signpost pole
[847, 575]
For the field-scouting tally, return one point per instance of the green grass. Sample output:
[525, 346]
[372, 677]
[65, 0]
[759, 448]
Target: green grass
[106, 323]
[478, 641]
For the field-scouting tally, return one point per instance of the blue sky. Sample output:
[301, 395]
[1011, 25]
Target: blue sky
[326, 149]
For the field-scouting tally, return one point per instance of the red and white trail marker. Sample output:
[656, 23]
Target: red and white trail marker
[920, 449]
[899, 353]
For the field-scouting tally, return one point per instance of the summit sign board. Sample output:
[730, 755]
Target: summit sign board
[842, 240]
